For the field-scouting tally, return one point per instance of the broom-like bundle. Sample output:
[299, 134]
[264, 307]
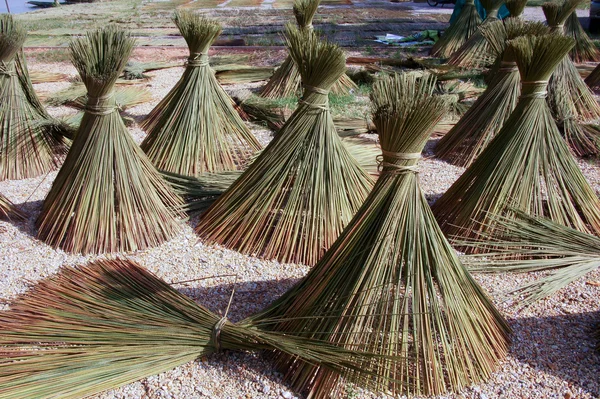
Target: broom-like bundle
[107, 197]
[584, 50]
[527, 166]
[286, 80]
[8, 210]
[30, 142]
[109, 323]
[297, 196]
[473, 132]
[515, 7]
[392, 284]
[475, 52]
[567, 253]
[569, 97]
[195, 128]
[459, 32]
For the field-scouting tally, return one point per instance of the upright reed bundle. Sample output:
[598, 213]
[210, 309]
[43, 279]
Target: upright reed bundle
[107, 196]
[103, 325]
[8, 210]
[569, 97]
[30, 142]
[475, 52]
[473, 132]
[195, 128]
[584, 50]
[286, 80]
[457, 34]
[515, 7]
[527, 166]
[297, 196]
[391, 284]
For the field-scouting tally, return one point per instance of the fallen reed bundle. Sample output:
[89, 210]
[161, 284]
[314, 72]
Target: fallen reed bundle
[567, 253]
[584, 50]
[31, 142]
[569, 97]
[475, 52]
[473, 132]
[76, 96]
[107, 197]
[593, 79]
[8, 210]
[296, 197]
[286, 80]
[527, 166]
[392, 284]
[195, 128]
[457, 34]
[137, 70]
[109, 323]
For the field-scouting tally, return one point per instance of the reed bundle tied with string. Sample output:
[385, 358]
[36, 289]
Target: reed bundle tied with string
[473, 132]
[286, 81]
[570, 99]
[99, 326]
[475, 52]
[566, 253]
[584, 50]
[392, 284]
[297, 196]
[107, 197]
[31, 143]
[9, 211]
[527, 166]
[458, 32]
[195, 129]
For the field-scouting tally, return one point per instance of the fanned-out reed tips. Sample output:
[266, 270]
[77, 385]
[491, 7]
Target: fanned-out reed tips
[107, 197]
[391, 284]
[99, 326]
[570, 99]
[584, 50]
[527, 166]
[195, 129]
[286, 80]
[478, 126]
[8, 210]
[475, 52]
[297, 196]
[566, 253]
[459, 32]
[30, 141]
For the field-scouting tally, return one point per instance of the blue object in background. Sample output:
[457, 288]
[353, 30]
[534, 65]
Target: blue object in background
[503, 13]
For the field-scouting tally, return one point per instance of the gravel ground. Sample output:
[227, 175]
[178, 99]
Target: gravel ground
[552, 355]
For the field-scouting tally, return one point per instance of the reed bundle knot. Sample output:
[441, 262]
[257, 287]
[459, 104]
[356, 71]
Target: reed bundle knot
[103, 105]
[394, 162]
[198, 59]
[7, 68]
[534, 89]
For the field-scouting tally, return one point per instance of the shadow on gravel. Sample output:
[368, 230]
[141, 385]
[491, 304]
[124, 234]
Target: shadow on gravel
[564, 346]
[32, 209]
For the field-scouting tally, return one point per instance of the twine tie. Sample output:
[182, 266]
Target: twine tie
[312, 89]
[103, 105]
[508, 66]
[216, 331]
[387, 162]
[7, 68]
[197, 60]
[534, 89]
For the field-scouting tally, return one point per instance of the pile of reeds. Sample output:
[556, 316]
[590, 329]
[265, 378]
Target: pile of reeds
[296, 197]
[459, 32]
[31, 143]
[391, 284]
[584, 50]
[99, 326]
[527, 166]
[195, 129]
[107, 197]
[76, 96]
[473, 132]
[475, 52]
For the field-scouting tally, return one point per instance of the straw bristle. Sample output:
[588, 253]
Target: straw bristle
[102, 325]
[473, 132]
[195, 128]
[107, 197]
[391, 284]
[8, 210]
[584, 50]
[30, 141]
[459, 32]
[527, 166]
[297, 196]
